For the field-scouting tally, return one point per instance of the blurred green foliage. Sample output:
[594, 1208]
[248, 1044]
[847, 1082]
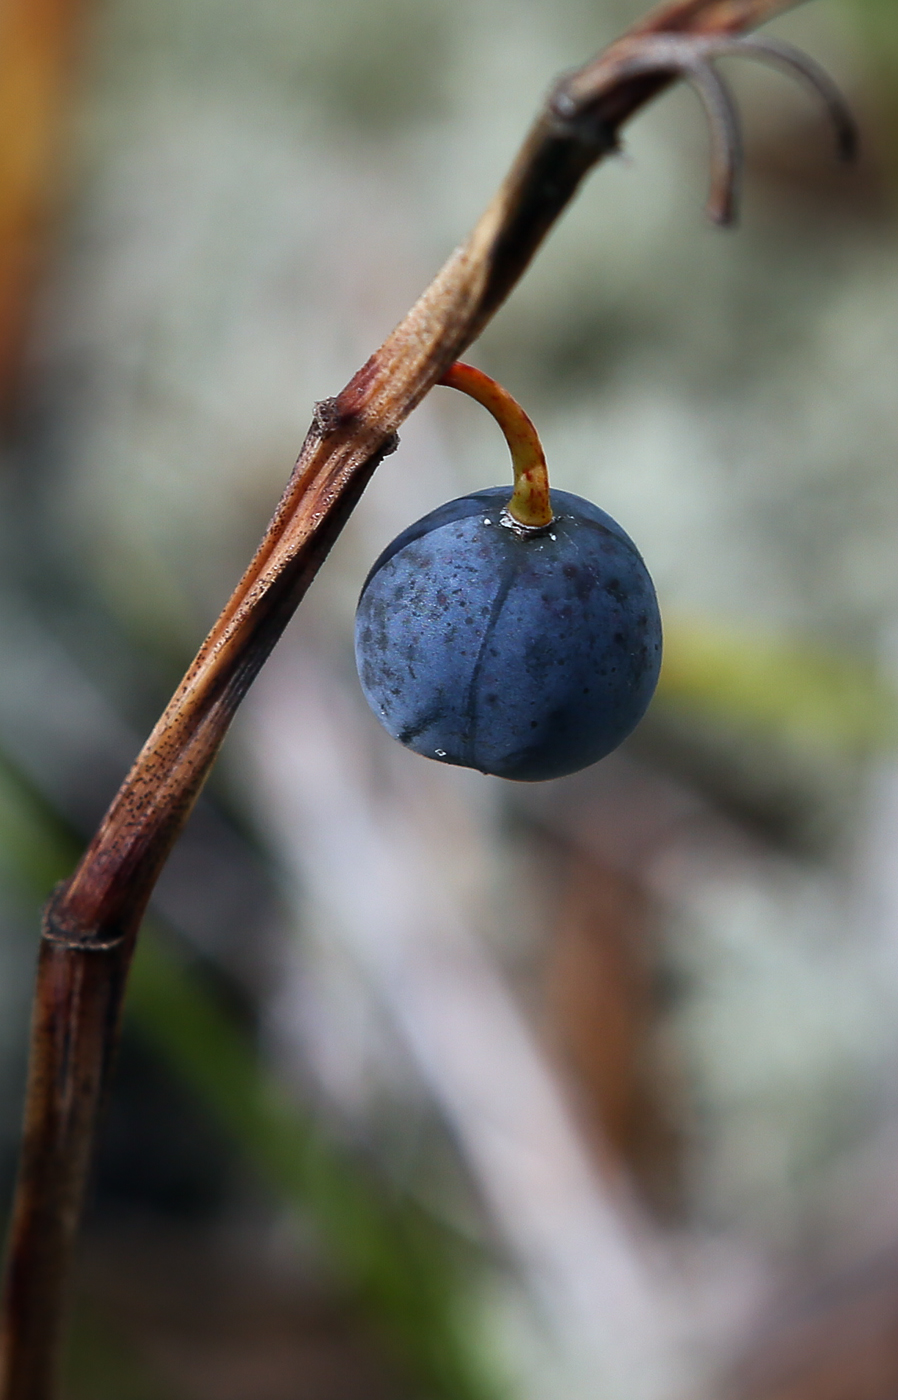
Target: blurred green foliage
[405, 1269]
[403, 1266]
[395, 1256]
[792, 692]
[878, 19]
[103, 1366]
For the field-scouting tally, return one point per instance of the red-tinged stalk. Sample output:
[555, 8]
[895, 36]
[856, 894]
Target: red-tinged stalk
[530, 505]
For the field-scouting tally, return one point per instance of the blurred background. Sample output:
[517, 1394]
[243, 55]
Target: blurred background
[434, 1087]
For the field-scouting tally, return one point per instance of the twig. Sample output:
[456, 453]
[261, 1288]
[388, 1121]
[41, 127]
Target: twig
[91, 923]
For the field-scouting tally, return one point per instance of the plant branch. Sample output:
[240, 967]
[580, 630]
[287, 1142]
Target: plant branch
[91, 922]
[350, 434]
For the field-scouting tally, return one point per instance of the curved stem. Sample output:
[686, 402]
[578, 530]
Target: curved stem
[91, 926]
[530, 504]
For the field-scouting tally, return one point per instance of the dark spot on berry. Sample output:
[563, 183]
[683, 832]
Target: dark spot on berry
[557, 665]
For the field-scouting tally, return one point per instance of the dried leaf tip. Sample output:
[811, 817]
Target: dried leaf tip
[692, 56]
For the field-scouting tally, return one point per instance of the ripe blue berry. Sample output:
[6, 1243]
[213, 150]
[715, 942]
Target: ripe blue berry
[524, 653]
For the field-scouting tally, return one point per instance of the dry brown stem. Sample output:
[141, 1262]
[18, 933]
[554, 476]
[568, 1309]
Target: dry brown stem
[92, 921]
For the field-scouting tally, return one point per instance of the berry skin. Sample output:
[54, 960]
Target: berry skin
[524, 654]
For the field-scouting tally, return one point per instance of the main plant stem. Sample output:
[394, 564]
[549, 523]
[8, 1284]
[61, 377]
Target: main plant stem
[91, 923]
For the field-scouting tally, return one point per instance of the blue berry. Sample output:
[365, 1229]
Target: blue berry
[524, 654]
